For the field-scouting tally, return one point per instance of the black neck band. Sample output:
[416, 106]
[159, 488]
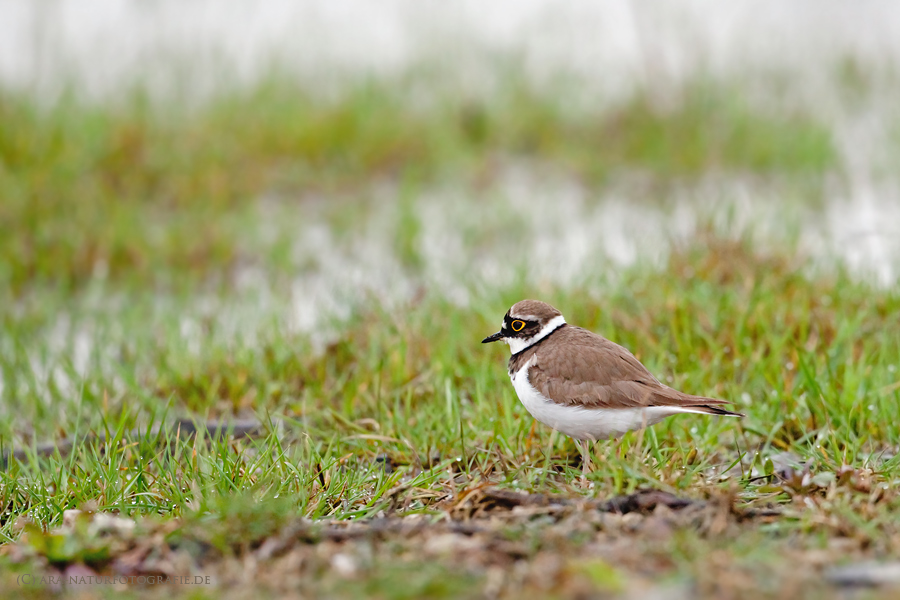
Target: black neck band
[537, 342]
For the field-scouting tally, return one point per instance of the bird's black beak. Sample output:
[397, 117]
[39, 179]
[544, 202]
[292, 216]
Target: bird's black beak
[492, 338]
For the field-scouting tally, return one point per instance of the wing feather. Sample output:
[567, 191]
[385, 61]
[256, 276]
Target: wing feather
[597, 373]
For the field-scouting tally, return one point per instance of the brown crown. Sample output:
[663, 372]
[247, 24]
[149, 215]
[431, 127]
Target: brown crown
[534, 310]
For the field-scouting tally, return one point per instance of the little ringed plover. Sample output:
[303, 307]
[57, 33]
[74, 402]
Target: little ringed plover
[582, 384]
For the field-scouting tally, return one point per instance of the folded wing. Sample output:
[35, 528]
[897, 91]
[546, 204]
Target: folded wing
[597, 373]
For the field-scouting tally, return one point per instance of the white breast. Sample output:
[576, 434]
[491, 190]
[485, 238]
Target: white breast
[584, 423]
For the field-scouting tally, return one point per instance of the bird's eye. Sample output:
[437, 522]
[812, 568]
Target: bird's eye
[517, 325]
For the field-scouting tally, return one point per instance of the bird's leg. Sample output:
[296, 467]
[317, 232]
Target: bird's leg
[586, 467]
[620, 453]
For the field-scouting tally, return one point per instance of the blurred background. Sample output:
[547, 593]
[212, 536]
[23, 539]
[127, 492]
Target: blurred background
[199, 173]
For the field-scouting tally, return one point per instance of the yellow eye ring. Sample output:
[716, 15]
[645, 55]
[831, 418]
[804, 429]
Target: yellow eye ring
[517, 325]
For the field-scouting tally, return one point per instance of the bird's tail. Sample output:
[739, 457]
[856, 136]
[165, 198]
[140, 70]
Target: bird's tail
[693, 404]
[712, 409]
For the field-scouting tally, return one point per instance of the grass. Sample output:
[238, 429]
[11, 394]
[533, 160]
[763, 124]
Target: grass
[811, 359]
[123, 234]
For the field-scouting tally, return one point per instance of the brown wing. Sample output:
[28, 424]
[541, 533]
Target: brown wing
[596, 373]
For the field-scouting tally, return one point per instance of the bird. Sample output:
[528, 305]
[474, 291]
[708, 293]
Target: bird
[582, 384]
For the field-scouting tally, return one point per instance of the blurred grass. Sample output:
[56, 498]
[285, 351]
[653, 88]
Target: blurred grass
[135, 191]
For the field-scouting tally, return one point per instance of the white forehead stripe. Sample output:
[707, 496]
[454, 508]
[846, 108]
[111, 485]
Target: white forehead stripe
[525, 317]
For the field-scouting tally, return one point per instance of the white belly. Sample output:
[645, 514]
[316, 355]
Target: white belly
[584, 423]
